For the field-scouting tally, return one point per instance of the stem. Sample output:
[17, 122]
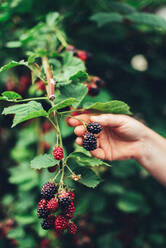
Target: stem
[83, 122]
[70, 169]
[53, 179]
[32, 99]
[50, 78]
[53, 124]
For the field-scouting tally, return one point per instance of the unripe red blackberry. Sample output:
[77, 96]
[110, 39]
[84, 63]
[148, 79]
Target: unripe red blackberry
[42, 203]
[64, 199]
[94, 127]
[48, 222]
[82, 55]
[52, 205]
[69, 212]
[89, 142]
[61, 223]
[72, 195]
[58, 153]
[48, 190]
[72, 228]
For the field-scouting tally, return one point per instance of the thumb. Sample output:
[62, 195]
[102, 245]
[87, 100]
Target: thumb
[110, 120]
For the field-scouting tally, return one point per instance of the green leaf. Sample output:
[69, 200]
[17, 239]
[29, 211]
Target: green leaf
[11, 95]
[79, 77]
[24, 112]
[84, 160]
[70, 67]
[105, 18]
[43, 161]
[115, 107]
[51, 18]
[77, 91]
[122, 8]
[88, 177]
[16, 233]
[25, 219]
[131, 202]
[152, 20]
[13, 44]
[11, 65]
[22, 174]
[63, 104]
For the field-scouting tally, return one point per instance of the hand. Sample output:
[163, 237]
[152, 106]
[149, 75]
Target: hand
[123, 137]
[120, 138]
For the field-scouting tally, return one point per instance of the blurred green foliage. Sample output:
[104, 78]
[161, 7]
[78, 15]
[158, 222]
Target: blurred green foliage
[128, 209]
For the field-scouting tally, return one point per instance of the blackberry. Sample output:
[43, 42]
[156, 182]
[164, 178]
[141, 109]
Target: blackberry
[94, 127]
[99, 83]
[89, 142]
[93, 91]
[69, 212]
[42, 212]
[61, 223]
[48, 222]
[48, 190]
[52, 205]
[58, 153]
[72, 228]
[64, 200]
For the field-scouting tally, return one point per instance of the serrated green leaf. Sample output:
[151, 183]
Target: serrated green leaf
[70, 67]
[114, 107]
[152, 20]
[105, 18]
[11, 95]
[24, 112]
[77, 91]
[83, 160]
[80, 76]
[11, 65]
[88, 177]
[43, 161]
[22, 174]
[63, 104]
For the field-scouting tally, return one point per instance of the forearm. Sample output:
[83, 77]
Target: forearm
[152, 155]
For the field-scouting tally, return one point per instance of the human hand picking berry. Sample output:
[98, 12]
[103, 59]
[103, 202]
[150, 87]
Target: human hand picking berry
[122, 137]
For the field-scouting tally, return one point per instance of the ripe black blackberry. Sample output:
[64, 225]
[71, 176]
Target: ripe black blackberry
[42, 212]
[89, 142]
[93, 91]
[48, 190]
[64, 200]
[94, 127]
[48, 222]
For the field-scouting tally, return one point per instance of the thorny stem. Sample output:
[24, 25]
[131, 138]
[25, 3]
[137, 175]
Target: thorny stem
[51, 96]
[50, 79]
[83, 122]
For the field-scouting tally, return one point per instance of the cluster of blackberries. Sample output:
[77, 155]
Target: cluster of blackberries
[53, 202]
[89, 139]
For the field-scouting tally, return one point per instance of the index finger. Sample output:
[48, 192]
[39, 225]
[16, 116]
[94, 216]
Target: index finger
[74, 121]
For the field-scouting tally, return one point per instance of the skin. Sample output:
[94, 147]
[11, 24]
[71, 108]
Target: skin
[123, 137]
